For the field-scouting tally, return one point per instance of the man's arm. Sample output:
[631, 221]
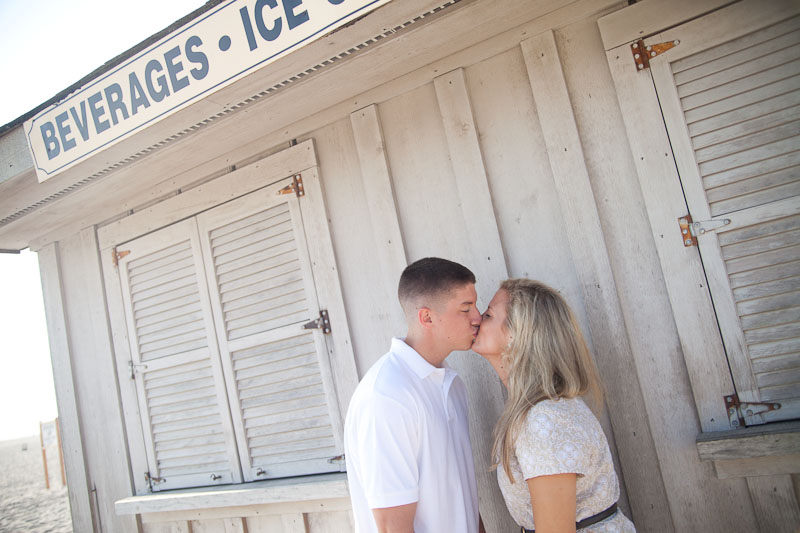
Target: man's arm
[398, 519]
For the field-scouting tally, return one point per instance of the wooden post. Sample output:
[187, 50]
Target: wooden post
[60, 454]
[44, 457]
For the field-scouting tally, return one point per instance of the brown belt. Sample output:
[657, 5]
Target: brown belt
[586, 522]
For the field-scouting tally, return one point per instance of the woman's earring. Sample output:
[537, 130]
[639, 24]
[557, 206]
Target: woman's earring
[508, 346]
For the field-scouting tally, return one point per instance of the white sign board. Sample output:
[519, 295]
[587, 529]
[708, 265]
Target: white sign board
[49, 433]
[214, 50]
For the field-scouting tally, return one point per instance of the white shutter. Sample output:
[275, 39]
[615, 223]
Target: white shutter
[733, 114]
[282, 396]
[180, 388]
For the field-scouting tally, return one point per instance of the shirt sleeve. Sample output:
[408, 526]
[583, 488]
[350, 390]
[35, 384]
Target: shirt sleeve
[386, 452]
[551, 442]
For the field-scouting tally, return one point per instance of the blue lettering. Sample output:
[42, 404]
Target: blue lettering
[97, 112]
[248, 29]
[269, 34]
[138, 98]
[155, 66]
[174, 68]
[115, 103]
[198, 58]
[50, 141]
[83, 125]
[63, 131]
[293, 18]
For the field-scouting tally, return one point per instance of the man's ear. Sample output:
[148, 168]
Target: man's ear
[425, 317]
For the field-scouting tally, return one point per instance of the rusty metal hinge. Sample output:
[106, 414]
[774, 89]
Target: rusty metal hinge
[296, 187]
[690, 229]
[685, 223]
[323, 322]
[153, 480]
[740, 412]
[642, 53]
[116, 256]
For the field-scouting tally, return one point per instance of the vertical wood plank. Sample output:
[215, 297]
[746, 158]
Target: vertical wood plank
[294, 523]
[205, 526]
[95, 373]
[329, 291]
[487, 261]
[368, 293]
[474, 195]
[127, 387]
[235, 525]
[68, 412]
[181, 526]
[775, 503]
[330, 522]
[264, 524]
[44, 455]
[613, 353]
[377, 180]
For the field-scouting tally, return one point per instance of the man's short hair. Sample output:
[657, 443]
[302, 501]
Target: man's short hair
[430, 277]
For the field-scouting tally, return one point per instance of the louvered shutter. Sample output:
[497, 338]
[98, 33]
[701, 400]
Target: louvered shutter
[733, 114]
[283, 401]
[180, 388]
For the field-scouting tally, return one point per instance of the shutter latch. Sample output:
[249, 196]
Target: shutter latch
[738, 412]
[323, 322]
[691, 229]
[296, 186]
[133, 368]
[642, 54]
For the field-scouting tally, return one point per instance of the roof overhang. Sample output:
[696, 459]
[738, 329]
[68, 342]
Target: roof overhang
[395, 47]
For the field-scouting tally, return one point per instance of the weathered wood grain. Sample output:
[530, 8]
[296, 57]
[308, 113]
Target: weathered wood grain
[58, 333]
[587, 243]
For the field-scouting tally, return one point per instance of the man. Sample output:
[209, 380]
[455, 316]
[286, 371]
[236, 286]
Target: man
[409, 459]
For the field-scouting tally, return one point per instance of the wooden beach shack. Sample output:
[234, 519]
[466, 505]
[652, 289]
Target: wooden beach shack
[222, 213]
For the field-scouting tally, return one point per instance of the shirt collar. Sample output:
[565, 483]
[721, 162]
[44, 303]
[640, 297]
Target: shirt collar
[414, 360]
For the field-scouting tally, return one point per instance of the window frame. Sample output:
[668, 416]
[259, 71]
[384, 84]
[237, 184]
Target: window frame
[273, 169]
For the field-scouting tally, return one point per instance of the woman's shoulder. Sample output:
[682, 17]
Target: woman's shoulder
[552, 416]
[559, 406]
[557, 436]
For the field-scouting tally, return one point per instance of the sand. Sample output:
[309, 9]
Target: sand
[25, 504]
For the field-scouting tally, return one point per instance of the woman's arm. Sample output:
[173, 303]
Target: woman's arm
[553, 501]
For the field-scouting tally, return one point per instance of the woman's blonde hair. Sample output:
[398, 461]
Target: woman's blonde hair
[547, 358]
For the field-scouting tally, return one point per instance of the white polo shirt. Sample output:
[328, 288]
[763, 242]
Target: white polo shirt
[406, 440]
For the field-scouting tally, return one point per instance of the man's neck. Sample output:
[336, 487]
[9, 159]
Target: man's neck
[427, 349]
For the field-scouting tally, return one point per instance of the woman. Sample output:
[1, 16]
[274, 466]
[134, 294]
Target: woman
[553, 462]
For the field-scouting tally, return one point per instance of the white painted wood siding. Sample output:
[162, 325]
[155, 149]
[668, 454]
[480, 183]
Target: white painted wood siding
[392, 191]
[732, 108]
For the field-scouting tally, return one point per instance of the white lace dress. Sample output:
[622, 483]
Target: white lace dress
[562, 437]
